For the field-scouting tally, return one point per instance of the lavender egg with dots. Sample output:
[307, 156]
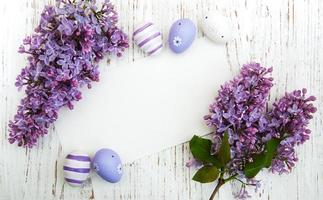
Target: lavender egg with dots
[77, 166]
[181, 35]
[107, 164]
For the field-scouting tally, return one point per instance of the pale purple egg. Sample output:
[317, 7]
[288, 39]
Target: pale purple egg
[181, 35]
[107, 164]
[77, 168]
[148, 38]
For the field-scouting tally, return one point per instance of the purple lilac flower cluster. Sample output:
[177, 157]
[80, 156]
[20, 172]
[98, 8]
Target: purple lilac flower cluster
[239, 106]
[243, 193]
[240, 110]
[70, 40]
[288, 121]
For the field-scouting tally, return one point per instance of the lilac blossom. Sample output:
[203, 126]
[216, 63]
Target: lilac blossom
[240, 110]
[194, 163]
[64, 52]
[288, 121]
[237, 109]
[242, 194]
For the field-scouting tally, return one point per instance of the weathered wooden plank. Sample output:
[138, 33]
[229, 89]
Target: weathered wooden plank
[285, 34]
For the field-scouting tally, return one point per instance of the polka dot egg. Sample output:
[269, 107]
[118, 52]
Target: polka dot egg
[181, 35]
[148, 38]
[77, 167]
[216, 27]
[107, 164]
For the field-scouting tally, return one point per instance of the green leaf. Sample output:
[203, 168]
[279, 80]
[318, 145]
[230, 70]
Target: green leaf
[206, 174]
[271, 149]
[224, 155]
[262, 160]
[201, 149]
[251, 169]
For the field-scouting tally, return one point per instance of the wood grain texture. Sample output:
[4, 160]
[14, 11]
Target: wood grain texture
[286, 34]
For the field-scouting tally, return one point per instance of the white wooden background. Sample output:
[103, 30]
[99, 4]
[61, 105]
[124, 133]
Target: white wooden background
[285, 34]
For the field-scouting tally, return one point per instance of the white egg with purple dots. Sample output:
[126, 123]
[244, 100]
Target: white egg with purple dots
[216, 27]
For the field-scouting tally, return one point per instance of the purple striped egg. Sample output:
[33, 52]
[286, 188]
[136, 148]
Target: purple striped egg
[77, 167]
[148, 38]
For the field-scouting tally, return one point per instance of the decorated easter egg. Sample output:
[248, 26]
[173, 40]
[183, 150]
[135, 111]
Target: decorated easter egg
[181, 35]
[148, 38]
[77, 167]
[216, 27]
[107, 164]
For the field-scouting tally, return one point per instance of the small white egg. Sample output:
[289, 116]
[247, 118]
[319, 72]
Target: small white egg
[216, 27]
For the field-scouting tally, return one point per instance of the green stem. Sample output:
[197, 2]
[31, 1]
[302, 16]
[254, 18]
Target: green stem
[230, 178]
[243, 183]
[240, 181]
[216, 189]
[221, 182]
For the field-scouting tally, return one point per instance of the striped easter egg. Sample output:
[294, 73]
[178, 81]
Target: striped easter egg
[77, 167]
[148, 38]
